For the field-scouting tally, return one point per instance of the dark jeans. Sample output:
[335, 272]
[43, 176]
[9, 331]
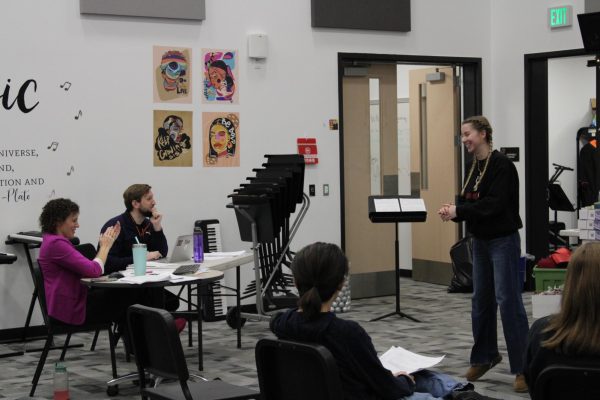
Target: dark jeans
[496, 283]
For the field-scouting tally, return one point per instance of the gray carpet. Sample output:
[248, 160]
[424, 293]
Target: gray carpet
[446, 329]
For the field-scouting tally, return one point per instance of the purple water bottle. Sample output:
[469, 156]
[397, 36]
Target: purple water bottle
[198, 243]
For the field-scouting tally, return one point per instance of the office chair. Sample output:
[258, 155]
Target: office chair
[280, 363]
[567, 382]
[158, 351]
[54, 327]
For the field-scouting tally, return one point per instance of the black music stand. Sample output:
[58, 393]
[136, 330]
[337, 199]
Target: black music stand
[388, 209]
[558, 201]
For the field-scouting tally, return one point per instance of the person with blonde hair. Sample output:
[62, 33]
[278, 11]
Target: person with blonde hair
[489, 204]
[572, 336]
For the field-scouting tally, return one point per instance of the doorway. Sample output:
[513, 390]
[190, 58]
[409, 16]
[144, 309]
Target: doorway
[537, 159]
[400, 136]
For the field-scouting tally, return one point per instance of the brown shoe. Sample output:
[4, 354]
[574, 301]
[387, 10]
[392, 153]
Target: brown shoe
[520, 386]
[477, 371]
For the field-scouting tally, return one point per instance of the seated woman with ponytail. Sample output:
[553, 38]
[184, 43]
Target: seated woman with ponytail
[319, 271]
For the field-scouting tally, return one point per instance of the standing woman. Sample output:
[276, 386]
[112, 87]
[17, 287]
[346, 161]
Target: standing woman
[489, 203]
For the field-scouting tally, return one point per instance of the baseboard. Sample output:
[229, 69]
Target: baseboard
[429, 271]
[375, 284]
[16, 334]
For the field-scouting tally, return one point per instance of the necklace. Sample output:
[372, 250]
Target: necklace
[479, 177]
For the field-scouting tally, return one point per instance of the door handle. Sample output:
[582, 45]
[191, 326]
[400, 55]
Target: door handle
[423, 134]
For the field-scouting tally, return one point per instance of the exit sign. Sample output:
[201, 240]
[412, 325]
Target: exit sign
[559, 17]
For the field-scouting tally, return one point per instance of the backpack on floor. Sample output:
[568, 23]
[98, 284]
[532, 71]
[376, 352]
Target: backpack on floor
[461, 254]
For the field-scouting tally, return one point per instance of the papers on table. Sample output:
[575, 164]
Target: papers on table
[398, 359]
[149, 277]
[222, 255]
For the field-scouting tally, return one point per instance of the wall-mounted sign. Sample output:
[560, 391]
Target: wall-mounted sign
[308, 148]
[559, 17]
[512, 153]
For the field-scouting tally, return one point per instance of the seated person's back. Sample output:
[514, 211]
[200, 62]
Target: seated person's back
[572, 336]
[361, 373]
[319, 271]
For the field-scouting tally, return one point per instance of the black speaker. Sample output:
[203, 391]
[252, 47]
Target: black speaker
[589, 25]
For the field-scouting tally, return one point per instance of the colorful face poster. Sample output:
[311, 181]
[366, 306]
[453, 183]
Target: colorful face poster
[221, 138]
[172, 138]
[172, 75]
[220, 76]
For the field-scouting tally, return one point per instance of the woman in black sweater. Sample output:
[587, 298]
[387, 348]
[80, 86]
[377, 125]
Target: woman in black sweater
[489, 203]
[319, 271]
[572, 336]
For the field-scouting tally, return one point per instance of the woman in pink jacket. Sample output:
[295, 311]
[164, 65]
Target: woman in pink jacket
[67, 299]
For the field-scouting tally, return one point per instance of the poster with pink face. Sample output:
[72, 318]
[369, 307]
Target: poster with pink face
[220, 83]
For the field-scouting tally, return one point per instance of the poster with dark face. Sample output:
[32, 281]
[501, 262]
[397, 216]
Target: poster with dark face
[220, 72]
[221, 139]
[172, 75]
[172, 138]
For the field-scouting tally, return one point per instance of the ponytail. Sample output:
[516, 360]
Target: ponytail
[310, 303]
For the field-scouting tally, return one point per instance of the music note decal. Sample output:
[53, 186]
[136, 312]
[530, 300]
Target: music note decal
[66, 85]
[79, 114]
[53, 146]
[71, 170]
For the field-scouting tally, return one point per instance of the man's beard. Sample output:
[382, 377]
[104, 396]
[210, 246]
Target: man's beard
[146, 213]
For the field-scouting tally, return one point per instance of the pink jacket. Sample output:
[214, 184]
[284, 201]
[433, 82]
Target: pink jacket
[63, 267]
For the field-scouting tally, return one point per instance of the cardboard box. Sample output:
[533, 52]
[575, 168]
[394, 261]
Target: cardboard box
[592, 235]
[587, 213]
[545, 304]
[586, 223]
[584, 234]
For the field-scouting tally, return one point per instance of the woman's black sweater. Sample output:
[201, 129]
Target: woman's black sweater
[362, 375]
[495, 212]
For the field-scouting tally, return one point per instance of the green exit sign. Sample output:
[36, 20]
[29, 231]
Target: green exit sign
[559, 17]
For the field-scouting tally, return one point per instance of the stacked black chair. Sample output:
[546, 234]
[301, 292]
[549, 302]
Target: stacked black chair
[296, 371]
[264, 206]
[158, 351]
[54, 327]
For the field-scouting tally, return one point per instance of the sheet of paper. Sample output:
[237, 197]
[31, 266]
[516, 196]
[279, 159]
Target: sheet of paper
[161, 265]
[386, 205]
[412, 205]
[149, 277]
[398, 359]
[224, 254]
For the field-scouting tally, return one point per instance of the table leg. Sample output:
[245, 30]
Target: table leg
[239, 307]
[200, 349]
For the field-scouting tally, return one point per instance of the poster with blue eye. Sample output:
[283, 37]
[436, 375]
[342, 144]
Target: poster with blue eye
[172, 74]
[220, 72]
[221, 139]
[172, 138]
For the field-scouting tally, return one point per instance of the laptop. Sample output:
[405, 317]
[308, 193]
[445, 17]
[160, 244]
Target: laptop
[182, 251]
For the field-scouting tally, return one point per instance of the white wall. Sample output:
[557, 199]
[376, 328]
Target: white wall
[518, 28]
[571, 84]
[108, 60]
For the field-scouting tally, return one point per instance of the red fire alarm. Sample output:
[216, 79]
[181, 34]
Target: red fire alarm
[308, 148]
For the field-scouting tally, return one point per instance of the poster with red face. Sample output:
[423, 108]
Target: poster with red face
[308, 148]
